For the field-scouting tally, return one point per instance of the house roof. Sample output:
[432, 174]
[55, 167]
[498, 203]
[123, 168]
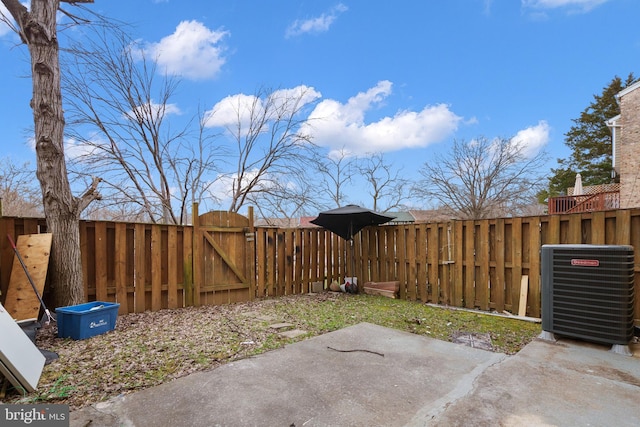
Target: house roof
[628, 89]
[400, 217]
[431, 215]
[277, 222]
[305, 221]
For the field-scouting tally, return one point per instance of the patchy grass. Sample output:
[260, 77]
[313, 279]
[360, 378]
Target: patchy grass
[508, 335]
[148, 349]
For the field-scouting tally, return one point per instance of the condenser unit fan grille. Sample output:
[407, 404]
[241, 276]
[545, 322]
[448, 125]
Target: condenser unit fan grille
[588, 292]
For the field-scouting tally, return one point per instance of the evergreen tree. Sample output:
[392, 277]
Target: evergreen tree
[590, 141]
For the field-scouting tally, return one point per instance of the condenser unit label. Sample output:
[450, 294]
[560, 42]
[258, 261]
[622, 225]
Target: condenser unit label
[586, 262]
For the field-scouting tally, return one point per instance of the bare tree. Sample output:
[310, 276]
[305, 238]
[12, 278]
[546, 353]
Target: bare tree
[290, 197]
[18, 193]
[111, 210]
[265, 142]
[37, 27]
[335, 172]
[387, 189]
[120, 118]
[483, 178]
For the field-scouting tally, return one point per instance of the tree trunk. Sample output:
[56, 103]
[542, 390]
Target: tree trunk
[60, 207]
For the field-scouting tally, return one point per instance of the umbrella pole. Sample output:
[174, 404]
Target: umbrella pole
[353, 261]
[352, 254]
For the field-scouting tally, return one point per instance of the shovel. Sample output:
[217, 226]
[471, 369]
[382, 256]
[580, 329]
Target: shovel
[33, 285]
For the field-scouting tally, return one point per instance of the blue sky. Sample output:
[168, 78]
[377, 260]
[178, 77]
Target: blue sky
[404, 78]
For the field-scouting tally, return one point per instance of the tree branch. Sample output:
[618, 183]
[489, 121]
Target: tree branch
[89, 195]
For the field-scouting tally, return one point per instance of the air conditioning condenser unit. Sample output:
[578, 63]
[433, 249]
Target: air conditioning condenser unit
[588, 292]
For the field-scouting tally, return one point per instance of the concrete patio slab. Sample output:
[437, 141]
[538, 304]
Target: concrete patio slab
[367, 375]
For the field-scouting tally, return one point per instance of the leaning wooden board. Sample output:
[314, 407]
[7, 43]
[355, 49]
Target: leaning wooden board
[22, 303]
[382, 292]
[387, 289]
[20, 360]
[387, 286]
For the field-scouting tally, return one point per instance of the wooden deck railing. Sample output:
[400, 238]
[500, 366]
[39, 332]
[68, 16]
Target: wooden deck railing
[584, 203]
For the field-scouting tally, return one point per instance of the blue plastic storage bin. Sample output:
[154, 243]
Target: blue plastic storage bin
[86, 320]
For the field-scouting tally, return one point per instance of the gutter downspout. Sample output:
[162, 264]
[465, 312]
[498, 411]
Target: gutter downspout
[612, 124]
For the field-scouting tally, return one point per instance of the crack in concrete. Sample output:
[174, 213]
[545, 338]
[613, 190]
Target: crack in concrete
[463, 388]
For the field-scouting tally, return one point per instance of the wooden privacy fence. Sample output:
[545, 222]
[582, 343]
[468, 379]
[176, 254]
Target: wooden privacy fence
[480, 264]
[473, 264]
[222, 258]
[141, 266]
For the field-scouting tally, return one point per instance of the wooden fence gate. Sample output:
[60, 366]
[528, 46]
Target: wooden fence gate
[223, 257]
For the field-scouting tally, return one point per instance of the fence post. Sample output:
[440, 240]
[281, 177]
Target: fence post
[469, 264]
[251, 254]
[192, 294]
[457, 296]
[535, 291]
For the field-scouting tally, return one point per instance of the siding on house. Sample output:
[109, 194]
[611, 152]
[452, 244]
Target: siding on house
[628, 146]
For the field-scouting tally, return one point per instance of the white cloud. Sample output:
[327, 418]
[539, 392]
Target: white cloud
[240, 108]
[300, 95]
[315, 25]
[337, 126]
[533, 138]
[570, 5]
[74, 149]
[222, 188]
[155, 110]
[192, 51]
[232, 110]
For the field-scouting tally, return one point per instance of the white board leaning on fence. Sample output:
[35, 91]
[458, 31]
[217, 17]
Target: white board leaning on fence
[20, 360]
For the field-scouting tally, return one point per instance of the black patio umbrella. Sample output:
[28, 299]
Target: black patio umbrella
[347, 221]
